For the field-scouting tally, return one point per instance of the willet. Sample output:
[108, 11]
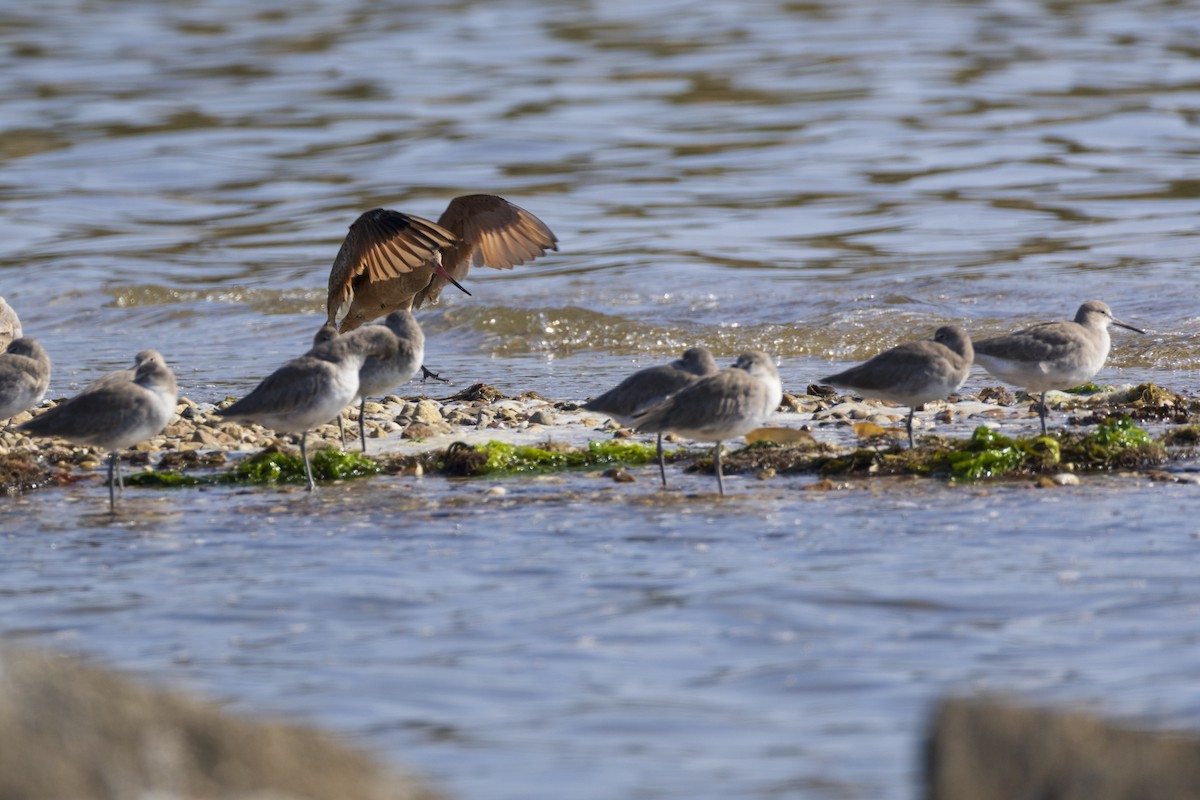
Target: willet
[391, 260]
[10, 325]
[1052, 355]
[24, 376]
[912, 373]
[327, 333]
[313, 388]
[720, 406]
[650, 386]
[114, 412]
[380, 375]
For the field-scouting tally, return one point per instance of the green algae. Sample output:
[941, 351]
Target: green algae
[492, 458]
[1116, 434]
[270, 466]
[165, 479]
[1116, 444]
[276, 466]
[987, 454]
[510, 459]
[1088, 388]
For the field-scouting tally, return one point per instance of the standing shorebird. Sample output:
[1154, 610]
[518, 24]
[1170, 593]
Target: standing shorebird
[720, 406]
[649, 387]
[912, 373]
[1052, 355]
[10, 324]
[114, 412]
[24, 376]
[391, 260]
[313, 388]
[380, 375]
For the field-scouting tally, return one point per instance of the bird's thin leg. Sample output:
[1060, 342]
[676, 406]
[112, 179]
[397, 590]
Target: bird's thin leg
[112, 486]
[362, 423]
[1042, 413]
[342, 431]
[717, 462]
[911, 411]
[304, 454]
[662, 467]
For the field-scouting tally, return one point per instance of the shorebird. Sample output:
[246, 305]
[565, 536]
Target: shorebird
[650, 386]
[912, 373]
[10, 325]
[380, 375]
[24, 376]
[114, 412]
[720, 406]
[1052, 355]
[313, 388]
[390, 260]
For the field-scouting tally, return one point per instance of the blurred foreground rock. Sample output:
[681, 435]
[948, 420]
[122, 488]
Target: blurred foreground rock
[993, 750]
[70, 730]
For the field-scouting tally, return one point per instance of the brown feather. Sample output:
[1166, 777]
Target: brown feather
[491, 232]
[387, 260]
[381, 245]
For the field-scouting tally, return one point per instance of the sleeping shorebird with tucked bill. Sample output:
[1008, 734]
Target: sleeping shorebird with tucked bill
[114, 412]
[24, 376]
[378, 376]
[723, 405]
[912, 373]
[313, 388]
[649, 387]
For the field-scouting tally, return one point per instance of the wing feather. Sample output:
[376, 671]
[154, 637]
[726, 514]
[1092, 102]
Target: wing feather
[712, 403]
[382, 244]
[494, 232]
[284, 391]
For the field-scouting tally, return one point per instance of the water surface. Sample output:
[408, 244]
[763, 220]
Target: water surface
[819, 180]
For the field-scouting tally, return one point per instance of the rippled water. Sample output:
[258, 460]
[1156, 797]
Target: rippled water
[819, 180]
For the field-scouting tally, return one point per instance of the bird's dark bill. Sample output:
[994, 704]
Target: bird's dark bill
[440, 270]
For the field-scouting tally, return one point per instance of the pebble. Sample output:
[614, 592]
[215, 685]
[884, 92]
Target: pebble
[428, 411]
[419, 430]
[541, 417]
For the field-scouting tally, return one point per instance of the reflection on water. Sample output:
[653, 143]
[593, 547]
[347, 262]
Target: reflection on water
[816, 179]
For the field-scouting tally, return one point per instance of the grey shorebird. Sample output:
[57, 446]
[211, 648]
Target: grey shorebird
[1052, 355]
[24, 376]
[650, 386]
[114, 412]
[10, 324]
[378, 376]
[390, 260]
[912, 373]
[314, 388]
[720, 406]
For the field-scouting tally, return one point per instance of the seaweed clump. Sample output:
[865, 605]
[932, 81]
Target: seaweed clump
[458, 460]
[462, 460]
[765, 456]
[510, 459]
[1146, 402]
[19, 472]
[272, 465]
[1115, 444]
